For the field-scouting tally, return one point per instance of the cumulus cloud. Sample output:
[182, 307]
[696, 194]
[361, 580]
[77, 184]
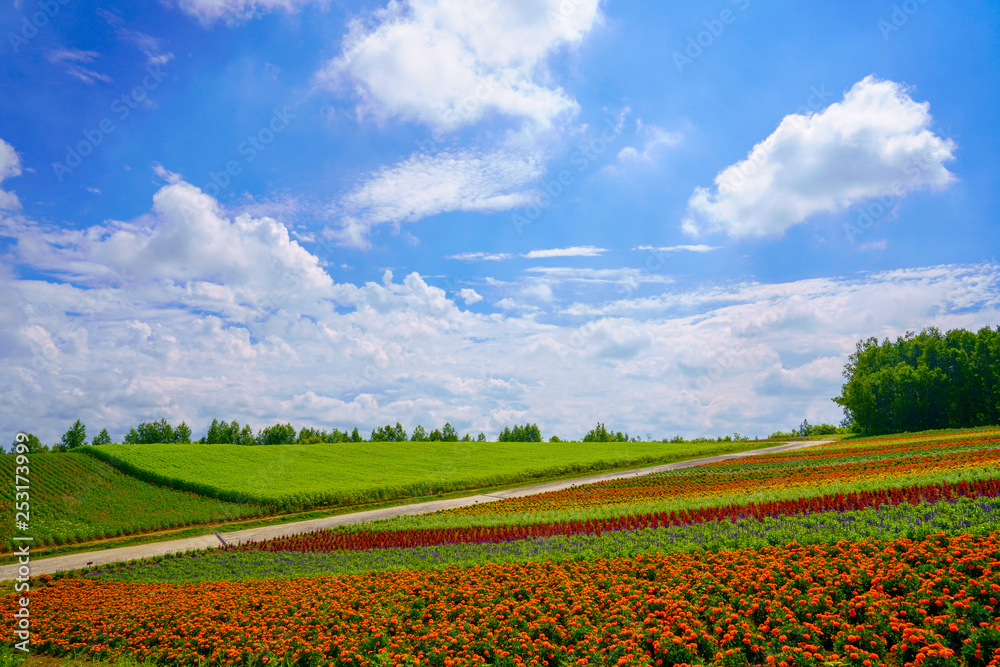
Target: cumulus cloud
[10, 166]
[470, 296]
[448, 63]
[240, 267]
[876, 141]
[656, 139]
[426, 185]
[149, 325]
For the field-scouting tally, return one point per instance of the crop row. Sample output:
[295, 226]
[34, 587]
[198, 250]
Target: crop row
[75, 498]
[293, 477]
[906, 603]
[965, 515]
[329, 540]
[708, 482]
[858, 449]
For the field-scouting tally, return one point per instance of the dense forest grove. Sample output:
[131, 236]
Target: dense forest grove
[926, 381]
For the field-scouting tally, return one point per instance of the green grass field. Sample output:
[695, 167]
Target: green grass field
[76, 498]
[303, 476]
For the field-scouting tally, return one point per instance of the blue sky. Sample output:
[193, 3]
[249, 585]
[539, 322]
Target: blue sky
[674, 218]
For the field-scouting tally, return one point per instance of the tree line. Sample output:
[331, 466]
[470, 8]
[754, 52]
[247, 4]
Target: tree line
[223, 432]
[923, 381]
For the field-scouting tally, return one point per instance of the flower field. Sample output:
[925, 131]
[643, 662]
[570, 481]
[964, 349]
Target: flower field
[824, 464]
[872, 552]
[370, 539]
[928, 602]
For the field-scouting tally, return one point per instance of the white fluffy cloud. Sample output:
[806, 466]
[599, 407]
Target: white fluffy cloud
[186, 240]
[656, 140]
[470, 296]
[875, 142]
[248, 327]
[426, 185]
[447, 63]
[10, 165]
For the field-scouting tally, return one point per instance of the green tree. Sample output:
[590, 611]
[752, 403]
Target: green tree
[389, 433]
[311, 436]
[31, 442]
[481, 437]
[923, 381]
[75, 437]
[355, 436]
[419, 434]
[182, 433]
[526, 433]
[148, 433]
[101, 438]
[448, 433]
[277, 434]
[601, 434]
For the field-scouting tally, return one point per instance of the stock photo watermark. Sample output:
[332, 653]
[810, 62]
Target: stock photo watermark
[704, 39]
[95, 301]
[899, 17]
[31, 24]
[22, 541]
[121, 108]
[737, 175]
[585, 155]
[889, 199]
[248, 149]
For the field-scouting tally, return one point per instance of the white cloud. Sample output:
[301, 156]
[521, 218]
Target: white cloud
[447, 63]
[231, 11]
[481, 256]
[575, 251]
[469, 295]
[186, 240]
[74, 60]
[587, 275]
[657, 139]
[248, 327]
[426, 185]
[679, 248]
[150, 46]
[876, 141]
[10, 165]
[874, 245]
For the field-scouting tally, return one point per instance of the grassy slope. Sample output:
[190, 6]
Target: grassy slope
[301, 476]
[76, 498]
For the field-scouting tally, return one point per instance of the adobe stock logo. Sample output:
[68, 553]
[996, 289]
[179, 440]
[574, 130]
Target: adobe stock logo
[31, 25]
[714, 27]
[122, 108]
[249, 149]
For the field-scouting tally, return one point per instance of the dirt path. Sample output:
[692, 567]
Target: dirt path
[107, 556]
